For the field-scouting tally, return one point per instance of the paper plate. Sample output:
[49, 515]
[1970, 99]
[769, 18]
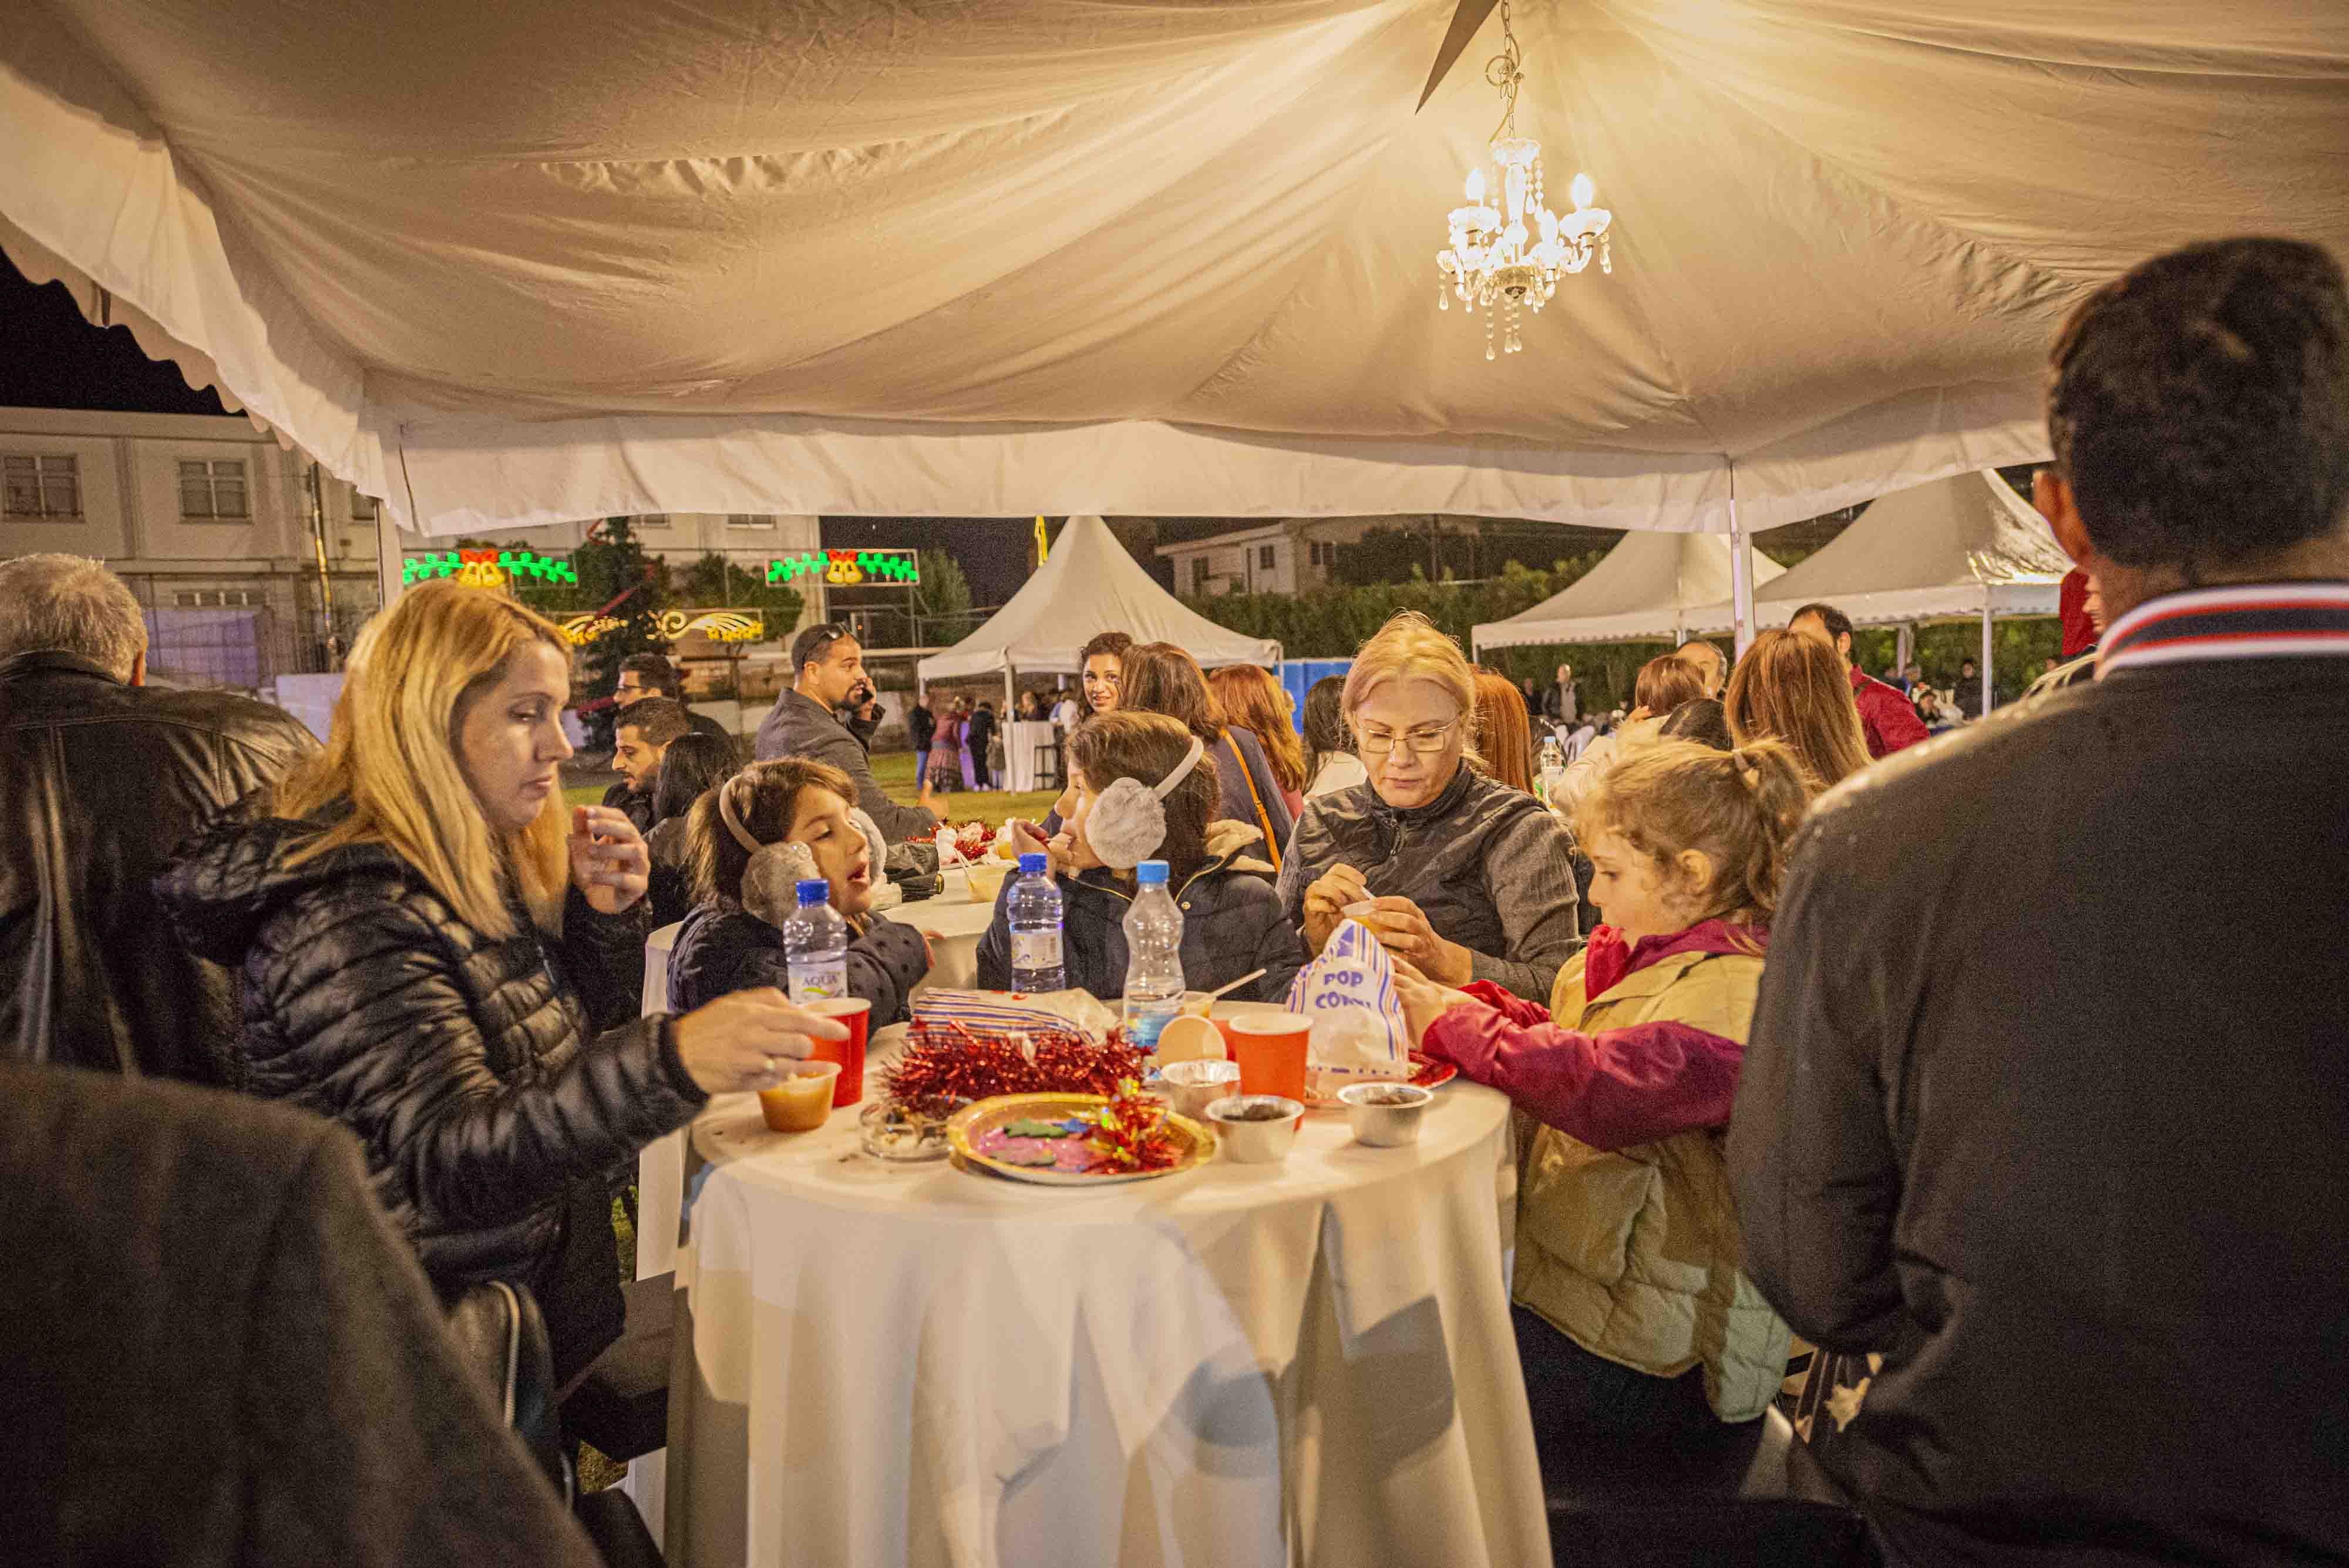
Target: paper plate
[973, 1123]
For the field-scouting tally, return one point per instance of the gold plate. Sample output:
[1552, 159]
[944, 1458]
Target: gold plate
[969, 1123]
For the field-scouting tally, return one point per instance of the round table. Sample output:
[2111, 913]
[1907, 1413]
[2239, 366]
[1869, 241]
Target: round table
[955, 925]
[1239, 1364]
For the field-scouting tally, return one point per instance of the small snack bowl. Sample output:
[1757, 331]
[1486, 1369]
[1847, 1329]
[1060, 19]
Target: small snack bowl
[1189, 1039]
[803, 1100]
[1385, 1115]
[1257, 1129]
[907, 1133]
[1195, 1085]
[984, 879]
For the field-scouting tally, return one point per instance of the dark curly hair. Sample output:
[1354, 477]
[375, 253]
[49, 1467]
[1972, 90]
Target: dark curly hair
[2198, 405]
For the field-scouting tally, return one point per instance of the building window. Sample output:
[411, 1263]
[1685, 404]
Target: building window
[1198, 574]
[749, 520]
[206, 598]
[1264, 558]
[653, 520]
[1320, 553]
[363, 507]
[213, 491]
[44, 486]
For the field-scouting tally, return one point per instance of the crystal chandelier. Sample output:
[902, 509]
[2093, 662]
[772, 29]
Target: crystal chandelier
[1510, 255]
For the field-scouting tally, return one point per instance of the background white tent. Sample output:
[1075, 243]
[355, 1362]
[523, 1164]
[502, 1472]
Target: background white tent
[1957, 549]
[1644, 589]
[554, 259]
[1087, 585]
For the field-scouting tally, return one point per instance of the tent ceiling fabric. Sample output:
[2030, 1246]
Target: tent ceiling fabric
[1088, 585]
[1645, 587]
[548, 259]
[1934, 552]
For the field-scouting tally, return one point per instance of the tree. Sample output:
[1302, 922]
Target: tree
[714, 582]
[618, 578]
[944, 598]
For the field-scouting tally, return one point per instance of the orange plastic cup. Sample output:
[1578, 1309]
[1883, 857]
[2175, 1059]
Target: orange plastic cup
[1270, 1048]
[856, 1014]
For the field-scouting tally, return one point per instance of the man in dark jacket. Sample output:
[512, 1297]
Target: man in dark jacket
[644, 675]
[982, 732]
[100, 777]
[1888, 719]
[827, 666]
[2070, 1165]
[219, 1355]
[921, 724]
[640, 738]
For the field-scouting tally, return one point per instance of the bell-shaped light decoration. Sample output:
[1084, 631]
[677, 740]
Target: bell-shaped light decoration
[1582, 189]
[1475, 189]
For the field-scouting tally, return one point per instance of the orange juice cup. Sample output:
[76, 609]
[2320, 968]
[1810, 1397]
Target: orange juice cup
[857, 1015]
[1270, 1048]
[803, 1100]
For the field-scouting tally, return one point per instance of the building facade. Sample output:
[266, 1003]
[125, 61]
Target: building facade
[251, 562]
[1284, 558]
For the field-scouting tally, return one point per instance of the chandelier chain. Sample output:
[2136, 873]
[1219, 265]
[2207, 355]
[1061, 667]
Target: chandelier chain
[1506, 70]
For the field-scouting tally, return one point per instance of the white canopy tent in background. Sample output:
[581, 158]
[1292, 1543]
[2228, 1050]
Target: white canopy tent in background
[1956, 549]
[554, 259]
[1087, 585]
[1643, 590]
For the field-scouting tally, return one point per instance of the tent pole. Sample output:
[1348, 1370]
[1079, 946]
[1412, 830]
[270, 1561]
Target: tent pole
[1986, 648]
[388, 568]
[1740, 567]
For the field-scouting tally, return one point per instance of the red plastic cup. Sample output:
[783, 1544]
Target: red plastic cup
[857, 1013]
[1270, 1048]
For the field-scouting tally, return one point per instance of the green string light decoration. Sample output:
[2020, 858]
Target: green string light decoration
[846, 568]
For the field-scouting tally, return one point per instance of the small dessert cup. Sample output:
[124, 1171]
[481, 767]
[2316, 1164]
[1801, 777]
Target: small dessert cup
[1257, 1129]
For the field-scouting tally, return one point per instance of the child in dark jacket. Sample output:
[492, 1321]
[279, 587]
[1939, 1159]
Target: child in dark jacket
[732, 938]
[1146, 790]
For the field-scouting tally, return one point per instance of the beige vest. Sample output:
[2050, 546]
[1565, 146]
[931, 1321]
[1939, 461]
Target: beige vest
[1637, 1255]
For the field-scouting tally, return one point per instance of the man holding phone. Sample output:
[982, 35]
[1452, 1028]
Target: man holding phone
[828, 671]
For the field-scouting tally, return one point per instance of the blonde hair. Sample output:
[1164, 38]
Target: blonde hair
[1739, 808]
[1250, 698]
[391, 752]
[1794, 688]
[1410, 647]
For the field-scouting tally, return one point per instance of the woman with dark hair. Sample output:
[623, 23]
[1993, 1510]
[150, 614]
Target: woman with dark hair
[1330, 760]
[1232, 918]
[692, 764]
[1703, 721]
[1161, 678]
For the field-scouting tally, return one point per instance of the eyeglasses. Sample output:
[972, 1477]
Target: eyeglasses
[1425, 742]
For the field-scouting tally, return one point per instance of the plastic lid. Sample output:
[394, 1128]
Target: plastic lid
[1150, 874]
[813, 890]
[1031, 864]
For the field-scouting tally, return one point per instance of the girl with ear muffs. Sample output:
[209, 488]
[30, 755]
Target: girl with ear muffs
[1146, 790]
[750, 841]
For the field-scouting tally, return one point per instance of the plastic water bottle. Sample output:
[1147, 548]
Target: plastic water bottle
[815, 945]
[1034, 910]
[1153, 965]
[1553, 769]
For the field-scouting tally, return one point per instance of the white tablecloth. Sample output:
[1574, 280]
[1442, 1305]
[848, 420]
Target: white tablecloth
[1020, 745]
[1237, 1365]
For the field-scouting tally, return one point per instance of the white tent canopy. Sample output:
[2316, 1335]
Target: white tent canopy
[553, 259]
[1644, 589]
[1952, 550]
[1088, 585]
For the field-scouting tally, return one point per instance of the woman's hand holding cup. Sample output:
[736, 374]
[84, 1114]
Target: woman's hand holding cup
[740, 1041]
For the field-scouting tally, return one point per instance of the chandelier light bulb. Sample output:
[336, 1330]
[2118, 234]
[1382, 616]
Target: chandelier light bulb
[1511, 253]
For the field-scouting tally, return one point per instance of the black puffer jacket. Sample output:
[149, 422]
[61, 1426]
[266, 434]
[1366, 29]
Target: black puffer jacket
[470, 1068]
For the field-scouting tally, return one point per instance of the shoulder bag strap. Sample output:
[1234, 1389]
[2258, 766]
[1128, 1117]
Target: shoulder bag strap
[1263, 820]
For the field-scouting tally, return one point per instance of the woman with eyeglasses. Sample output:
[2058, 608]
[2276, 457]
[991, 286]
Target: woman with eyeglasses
[1460, 875]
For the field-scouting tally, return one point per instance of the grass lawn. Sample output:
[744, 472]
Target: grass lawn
[893, 770]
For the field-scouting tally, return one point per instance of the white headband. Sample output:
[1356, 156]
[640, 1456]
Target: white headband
[1165, 786]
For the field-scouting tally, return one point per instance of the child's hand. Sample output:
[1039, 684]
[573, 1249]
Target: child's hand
[1423, 1000]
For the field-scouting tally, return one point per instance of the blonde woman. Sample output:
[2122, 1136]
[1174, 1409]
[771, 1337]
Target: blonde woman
[439, 954]
[1795, 689]
[1464, 877]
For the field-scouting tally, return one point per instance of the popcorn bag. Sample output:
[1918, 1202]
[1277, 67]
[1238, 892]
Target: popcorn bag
[1359, 1033]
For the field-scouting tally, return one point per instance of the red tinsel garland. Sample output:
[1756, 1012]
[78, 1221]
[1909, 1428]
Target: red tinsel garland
[1132, 1132]
[955, 1061]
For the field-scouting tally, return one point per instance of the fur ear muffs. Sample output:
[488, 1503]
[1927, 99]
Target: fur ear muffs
[1127, 825]
[770, 882]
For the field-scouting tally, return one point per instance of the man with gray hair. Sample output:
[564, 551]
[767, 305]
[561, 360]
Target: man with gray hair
[101, 777]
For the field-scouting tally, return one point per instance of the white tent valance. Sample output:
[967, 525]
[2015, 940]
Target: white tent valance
[555, 259]
[1950, 550]
[1644, 589]
[1088, 585]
